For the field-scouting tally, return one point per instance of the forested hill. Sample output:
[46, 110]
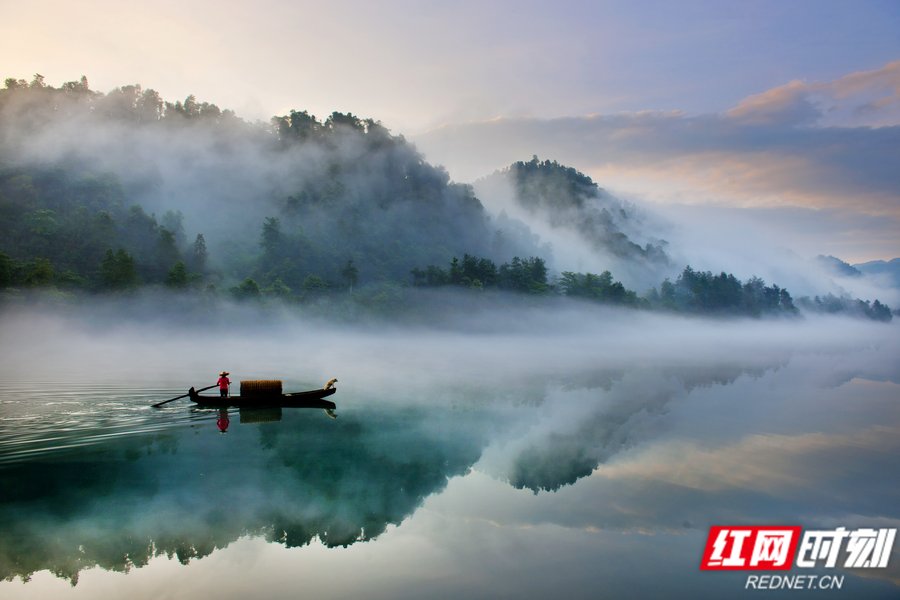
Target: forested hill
[569, 200]
[124, 190]
[92, 184]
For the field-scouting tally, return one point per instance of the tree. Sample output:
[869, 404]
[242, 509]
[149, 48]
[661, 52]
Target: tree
[299, 126]
[338, 121]
[166, 252]
[6, 270]
[39, 272]
[879, 312]
[529, 275]
[455, 272]
[200, 255]
[601, 288]
[350, 273]
[270, 238]
[313, 285]
[177, 277]
[150, 107]
[667, 294]
[173, 221]
[246, 290]
[117, 270]
[278, 289]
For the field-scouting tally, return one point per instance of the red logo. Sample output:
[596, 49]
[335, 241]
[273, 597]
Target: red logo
[741, 548]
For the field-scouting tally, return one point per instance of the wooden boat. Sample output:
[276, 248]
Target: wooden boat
[308, 399]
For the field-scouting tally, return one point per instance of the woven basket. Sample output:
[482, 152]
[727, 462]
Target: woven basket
[261, 388]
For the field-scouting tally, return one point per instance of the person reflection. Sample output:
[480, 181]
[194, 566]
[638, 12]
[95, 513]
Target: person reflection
[223, 420]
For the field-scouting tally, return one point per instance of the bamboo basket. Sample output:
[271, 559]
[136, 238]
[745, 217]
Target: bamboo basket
[261, 388]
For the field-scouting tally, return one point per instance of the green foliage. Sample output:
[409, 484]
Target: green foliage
[39, 272]
[277, 289]
[296, 127]
[600, 288]
[42, 222]
[247, 290]
[519, 275]
[200, 255]
[366, 194]
[271, 238]
[528, 275]
[705, 293]
[166, 250]
[178, 276]
[173, 222]
[569, 199]
[831, 304]
[313, 285]
[540, 182]
[6, 270]
[117, 271]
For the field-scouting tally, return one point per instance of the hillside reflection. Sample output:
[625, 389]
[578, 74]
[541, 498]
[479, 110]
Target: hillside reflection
[300, 477]
[184, 494]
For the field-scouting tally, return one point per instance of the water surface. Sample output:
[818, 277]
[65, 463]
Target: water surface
[577, 463]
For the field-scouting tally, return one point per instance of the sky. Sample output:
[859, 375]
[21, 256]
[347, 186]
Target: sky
[762, 105]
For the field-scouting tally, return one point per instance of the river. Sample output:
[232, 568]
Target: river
[569, 457]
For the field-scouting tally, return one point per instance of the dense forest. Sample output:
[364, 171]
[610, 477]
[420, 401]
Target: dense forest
[112, 193]
[570, 200]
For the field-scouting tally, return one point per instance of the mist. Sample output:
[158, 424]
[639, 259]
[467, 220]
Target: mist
[566, 364]
[609, 419]
[302, 206]
[340, 189]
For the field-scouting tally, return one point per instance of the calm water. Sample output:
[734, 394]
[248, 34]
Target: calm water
[510, 475]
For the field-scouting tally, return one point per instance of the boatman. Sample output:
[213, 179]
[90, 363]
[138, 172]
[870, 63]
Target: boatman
[223, 384]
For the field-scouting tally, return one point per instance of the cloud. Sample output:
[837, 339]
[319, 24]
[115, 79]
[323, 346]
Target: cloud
[789, 103]
[775, 464]
[863, 98]
[826, 146]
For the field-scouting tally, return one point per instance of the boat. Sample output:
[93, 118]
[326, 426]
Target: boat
[307, 399]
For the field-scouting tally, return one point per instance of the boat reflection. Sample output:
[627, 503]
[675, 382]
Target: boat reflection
[251, 416]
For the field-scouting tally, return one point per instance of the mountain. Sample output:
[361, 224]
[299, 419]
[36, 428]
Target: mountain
[888, 270]
[118, 189]
[581, 225]
[837, 267]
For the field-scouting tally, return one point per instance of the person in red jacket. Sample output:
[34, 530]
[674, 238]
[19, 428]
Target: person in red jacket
[223, 382]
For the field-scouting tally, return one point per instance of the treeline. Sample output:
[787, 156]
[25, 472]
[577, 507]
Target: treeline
[527, 275]
[831, 304]
[326, 191]
[705, 293]
[697, 292]
[73, 230]
[131, 103]
[298, 209]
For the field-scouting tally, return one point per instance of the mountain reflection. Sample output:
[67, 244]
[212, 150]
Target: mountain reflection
[293, 477]
[630, 400]
[118, 505]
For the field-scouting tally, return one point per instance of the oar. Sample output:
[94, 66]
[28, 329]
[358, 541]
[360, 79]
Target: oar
[158, 404]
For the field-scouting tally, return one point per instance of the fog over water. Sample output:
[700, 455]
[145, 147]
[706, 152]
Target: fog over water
[486, 443]
[596, 436]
